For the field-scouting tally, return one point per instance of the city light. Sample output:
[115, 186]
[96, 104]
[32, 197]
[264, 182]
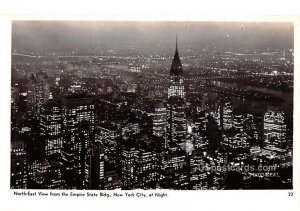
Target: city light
[136, 110]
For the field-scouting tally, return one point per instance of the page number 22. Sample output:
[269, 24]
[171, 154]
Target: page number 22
[290, 193]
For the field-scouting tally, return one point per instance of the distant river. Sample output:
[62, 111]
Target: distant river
[287, 96]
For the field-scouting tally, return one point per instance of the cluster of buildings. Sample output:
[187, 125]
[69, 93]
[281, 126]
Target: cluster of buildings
[80, 141]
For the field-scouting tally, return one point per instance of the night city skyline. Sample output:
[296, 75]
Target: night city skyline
[100, 105]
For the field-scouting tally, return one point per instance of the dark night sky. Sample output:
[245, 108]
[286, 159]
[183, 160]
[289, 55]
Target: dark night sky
[61, 35]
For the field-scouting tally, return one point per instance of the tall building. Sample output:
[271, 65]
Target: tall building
[274, 132]
[18, 162]
[139, 158]
[226, 115]
[176, 106]
[201, 119]
[15, 101]
[107, 135]
[236, 144]
[38, 92]
[78, 129]
[146, 161]
[173, 161]
[198, 176]
[51, 127]
[95, 167]
[46, 174]
[128, 162]
[174, 172]
[235, 139]
[159, 120]
[213, 133]
[176, 72]
[176, 123]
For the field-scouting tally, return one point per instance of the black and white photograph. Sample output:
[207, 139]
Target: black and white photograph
[151, 105]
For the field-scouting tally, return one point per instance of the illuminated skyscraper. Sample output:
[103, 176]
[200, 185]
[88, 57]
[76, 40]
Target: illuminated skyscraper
[128, 157]
[146, 161]
[176, 123]
[236, 144]
[176, 107]
[46, 174]
[38, 92]
[51, 127]
[274, 132]
[159, 120]
[226, 115]
[198, 175]
[107, 135]
[15, 108]
[78, 129]
[18, 163]
[174, 173]
[176, 83]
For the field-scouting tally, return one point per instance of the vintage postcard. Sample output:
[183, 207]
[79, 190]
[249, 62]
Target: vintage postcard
[151, 105]
[150, 110]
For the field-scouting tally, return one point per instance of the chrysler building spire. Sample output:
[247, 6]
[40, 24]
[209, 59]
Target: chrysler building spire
[176, 67]
[176, 83]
